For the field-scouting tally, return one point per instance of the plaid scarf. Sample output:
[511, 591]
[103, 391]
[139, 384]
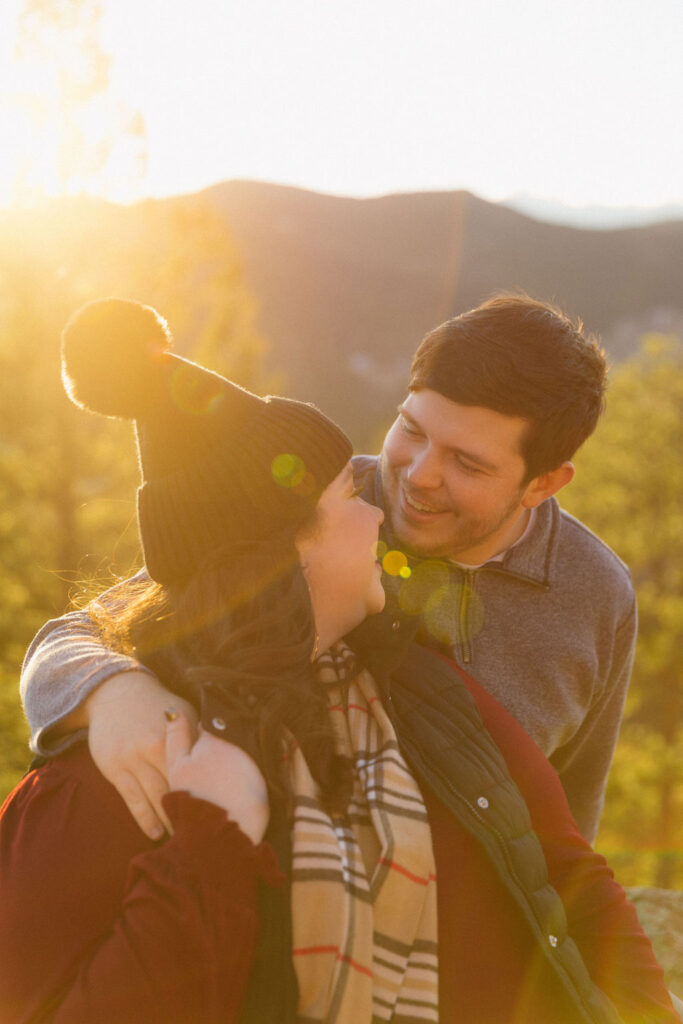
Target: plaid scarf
[363, 883]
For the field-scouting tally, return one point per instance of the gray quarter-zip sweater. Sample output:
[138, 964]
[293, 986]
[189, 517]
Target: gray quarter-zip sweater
[550, 631]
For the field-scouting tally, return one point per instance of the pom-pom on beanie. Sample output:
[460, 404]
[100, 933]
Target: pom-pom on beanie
[220, 466]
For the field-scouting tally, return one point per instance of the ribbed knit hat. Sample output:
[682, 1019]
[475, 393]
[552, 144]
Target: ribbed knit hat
[219, 465]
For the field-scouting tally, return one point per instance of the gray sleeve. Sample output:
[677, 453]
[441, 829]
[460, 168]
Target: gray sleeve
[583, 764]
[65, 662]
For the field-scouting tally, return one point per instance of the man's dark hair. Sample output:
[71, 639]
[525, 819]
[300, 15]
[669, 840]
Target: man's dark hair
[521, 358]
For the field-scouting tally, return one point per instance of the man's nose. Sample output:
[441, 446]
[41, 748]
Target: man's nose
[424, 471]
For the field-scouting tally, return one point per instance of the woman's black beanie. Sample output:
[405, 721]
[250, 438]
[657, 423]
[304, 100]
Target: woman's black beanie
[219, 465]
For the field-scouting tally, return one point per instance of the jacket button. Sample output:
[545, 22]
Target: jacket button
[396, 624]
[483, 802]
[552, 939]
[218, 723]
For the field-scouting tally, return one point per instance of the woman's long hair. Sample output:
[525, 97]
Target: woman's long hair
[243, 625]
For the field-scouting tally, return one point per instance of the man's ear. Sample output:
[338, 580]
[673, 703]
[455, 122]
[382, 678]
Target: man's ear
[547, 484]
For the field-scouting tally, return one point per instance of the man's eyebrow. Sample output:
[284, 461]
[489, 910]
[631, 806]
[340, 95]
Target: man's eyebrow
[406, 415]
[453, 449]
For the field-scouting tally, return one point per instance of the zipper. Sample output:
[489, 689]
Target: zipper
[466, 593]
[463, 616]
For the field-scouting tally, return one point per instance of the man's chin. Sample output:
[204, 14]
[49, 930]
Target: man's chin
[416, 541]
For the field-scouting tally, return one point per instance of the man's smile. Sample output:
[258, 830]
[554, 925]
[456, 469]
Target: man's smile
[417, 505]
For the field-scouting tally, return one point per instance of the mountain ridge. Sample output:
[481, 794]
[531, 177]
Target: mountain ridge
[347, 287]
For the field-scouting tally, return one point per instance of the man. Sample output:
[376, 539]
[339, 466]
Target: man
[480, 561]
[518, 592]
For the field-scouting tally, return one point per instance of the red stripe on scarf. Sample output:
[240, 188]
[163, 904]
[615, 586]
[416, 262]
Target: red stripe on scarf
[356, 707]
[340, 956]
[404, 871]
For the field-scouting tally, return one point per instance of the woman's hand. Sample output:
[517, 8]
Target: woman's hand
[217, 771]
[127, 739]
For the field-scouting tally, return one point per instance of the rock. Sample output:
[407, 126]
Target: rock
[661, 914]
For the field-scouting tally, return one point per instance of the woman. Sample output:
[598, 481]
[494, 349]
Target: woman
[262, 558]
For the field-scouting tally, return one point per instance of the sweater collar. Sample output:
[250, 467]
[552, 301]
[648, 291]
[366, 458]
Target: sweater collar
[534, 557]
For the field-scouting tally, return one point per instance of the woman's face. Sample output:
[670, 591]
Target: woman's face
[339, 560]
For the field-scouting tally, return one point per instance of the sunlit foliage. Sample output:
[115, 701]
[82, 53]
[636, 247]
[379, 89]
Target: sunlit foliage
[67, 478]
[629, 489]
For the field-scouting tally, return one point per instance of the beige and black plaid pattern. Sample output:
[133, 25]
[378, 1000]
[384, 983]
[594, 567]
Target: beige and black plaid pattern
[363, 883]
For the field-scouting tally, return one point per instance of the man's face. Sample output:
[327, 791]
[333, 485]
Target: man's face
[453, 478]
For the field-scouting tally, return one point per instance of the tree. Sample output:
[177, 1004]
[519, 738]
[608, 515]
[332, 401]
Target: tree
[629, 489]
[82, 138]
[185, 264]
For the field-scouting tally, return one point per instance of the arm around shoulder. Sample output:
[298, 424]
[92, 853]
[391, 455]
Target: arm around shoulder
[65, 662]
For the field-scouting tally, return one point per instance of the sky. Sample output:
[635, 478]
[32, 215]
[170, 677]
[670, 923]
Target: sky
[578, 101]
